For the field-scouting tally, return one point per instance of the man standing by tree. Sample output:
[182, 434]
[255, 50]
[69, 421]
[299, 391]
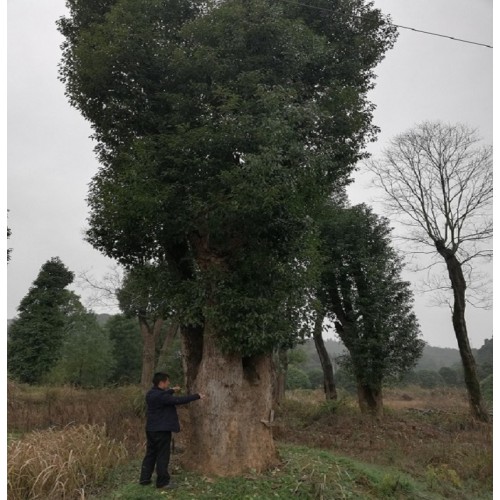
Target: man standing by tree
[162, 420]
[221, 128]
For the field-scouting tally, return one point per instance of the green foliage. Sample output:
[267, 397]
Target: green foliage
[143, 292]
[126, 340]
[361, 288]
[221, 128]
[171, 363]
[487, 389]
[297, 356]
[450, 376]
[86, 355]
[297, 379]
[36, 336]
[344, 377]
[316, 377]
[428, 379]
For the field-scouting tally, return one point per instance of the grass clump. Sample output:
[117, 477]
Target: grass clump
[60, 463]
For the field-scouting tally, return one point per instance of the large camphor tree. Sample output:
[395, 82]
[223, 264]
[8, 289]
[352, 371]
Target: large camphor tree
[438, 179]
[221, 127]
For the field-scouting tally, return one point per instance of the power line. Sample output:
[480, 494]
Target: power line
[397, 26]
[443, 36]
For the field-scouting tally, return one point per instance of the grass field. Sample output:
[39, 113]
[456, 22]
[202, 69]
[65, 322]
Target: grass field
[425, 447]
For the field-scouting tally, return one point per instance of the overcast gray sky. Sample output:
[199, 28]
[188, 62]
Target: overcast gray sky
[51, 159]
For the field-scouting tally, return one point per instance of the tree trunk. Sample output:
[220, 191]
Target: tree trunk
[229, 431]
[167, 343]
[280, 366]
[149, 335]
[458, 285]
[326, 364]
[370, 399]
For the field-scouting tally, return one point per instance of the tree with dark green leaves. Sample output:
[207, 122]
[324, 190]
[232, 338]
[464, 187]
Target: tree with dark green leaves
[127, 349]
[372, 307]
[86, 357]
[144, 295]
[221, 129]
[37, 334]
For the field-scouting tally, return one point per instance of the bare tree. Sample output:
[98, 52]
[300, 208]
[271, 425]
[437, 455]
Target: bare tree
[439, 179]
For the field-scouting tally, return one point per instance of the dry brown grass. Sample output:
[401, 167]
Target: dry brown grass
[120, 410]
[428, 434]
[60, 464]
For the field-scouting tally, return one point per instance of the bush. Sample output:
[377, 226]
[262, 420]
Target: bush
[297, 379]
[60, 464]
[429, 379]
[316, 378]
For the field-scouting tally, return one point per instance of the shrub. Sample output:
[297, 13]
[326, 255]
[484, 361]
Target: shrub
[316, 377]
[60, 463]
[297, 379]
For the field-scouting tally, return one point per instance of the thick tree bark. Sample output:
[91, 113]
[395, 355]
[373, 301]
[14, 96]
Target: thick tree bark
[458, 285]
[370, 399]
[149, 335]
[229, 431]
[326, 364]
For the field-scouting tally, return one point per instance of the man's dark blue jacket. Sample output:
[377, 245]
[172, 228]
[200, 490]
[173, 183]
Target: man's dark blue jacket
[161, 411]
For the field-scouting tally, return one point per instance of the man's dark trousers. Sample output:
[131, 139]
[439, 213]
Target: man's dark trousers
[157, 452]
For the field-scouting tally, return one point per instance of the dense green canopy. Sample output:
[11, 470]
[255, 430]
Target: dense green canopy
[221, 129]
[363, 292]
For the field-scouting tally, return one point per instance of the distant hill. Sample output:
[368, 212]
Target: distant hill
[433, 358]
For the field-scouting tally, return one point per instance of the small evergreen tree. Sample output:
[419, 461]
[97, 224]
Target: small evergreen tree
[36, 336]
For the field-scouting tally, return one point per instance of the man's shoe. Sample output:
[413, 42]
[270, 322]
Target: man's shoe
[169, 486]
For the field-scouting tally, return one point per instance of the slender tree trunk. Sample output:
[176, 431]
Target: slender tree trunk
[167, 343]
[458, 285]
[370, 399]
[229, 431]
[149, 335]
[280, 367]
[326, 364]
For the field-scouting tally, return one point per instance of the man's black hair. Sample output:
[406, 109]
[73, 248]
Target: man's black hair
[159, 377]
